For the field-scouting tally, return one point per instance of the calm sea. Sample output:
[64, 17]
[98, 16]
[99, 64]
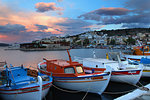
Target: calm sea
[32, 58]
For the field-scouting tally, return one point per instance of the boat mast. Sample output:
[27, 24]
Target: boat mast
[70, 60]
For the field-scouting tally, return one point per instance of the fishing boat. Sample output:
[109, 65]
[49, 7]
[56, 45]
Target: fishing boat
[140, 54]
[137, 53]
[71, 75]
[122, 71]
[20, 83]
[146, 66]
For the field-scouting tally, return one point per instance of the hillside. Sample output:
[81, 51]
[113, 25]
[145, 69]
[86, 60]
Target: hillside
[4, 44]
[123, 32]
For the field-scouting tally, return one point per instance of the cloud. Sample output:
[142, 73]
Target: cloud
[74, 26]
[96, 14]
[3, 36]
[143, 18]
[43, 7]
[111, 11]
[134, 14]
[41, 27]
[25, 26]
[138, 5]
[136, 25]
[12, 29]
[94, 27]
[59, 0]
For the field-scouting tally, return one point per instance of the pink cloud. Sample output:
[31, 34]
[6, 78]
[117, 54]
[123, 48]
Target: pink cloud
[3, 36]
[43, 7]
[30, 20]
[95, 27]
[98, 13]
[27, 26]
[59, 0]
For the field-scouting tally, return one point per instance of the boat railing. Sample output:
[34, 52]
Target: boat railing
[2, 64]
[33, 73]
[64, 74]
[3, 77]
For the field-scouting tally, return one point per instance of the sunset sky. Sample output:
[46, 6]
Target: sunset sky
[28, 20]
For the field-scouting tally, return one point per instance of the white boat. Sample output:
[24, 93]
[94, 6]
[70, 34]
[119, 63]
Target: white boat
[71, 75]
[20, 83]
[121, 72]
[135, 57]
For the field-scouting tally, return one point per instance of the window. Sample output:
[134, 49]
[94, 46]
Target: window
[69, 70]
[79, 69]
[96, 66]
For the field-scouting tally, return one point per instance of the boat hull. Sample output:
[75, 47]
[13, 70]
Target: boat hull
[130, 77]
[85, 85]
[146, 73]
[23, 94]
[94, 83]
[135, 57]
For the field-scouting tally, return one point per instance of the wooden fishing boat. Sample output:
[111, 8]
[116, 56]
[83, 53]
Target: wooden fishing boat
[121, 71]
[71, 75]
[137, 53]
[20, 83]
[146, 66]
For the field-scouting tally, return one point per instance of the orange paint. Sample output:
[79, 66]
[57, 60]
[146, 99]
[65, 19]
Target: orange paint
[140, 51]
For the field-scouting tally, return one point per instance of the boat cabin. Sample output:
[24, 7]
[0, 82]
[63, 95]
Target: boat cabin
[64, 67]
[17, 75]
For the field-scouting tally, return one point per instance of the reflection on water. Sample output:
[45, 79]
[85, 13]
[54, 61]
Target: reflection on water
[17, 57]
[32, 58]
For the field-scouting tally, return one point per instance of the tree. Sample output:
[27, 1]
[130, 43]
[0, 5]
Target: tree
[131, 41]
[78, 43]
[125, 41]
[112, 42]
[108, 40]
[86, 42]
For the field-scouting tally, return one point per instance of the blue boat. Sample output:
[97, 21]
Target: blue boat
[146, 65]
[20, 83]
[145, 61]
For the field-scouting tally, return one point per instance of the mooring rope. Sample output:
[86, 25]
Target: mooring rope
[141, 88]
[65, 90]
[119, 92]
[86, 93]
[69, 91]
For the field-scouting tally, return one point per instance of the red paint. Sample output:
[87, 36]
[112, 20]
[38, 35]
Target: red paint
[126, 73]
[19, 89]
[26, 91]
[95, 69]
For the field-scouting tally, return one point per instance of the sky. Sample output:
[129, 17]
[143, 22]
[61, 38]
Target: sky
[27, 20]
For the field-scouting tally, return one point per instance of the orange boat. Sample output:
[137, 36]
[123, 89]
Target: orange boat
[142, 50]
[71, 75]
[138, 53]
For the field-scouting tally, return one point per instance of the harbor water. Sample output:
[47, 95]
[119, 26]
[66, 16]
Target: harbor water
[32, 58]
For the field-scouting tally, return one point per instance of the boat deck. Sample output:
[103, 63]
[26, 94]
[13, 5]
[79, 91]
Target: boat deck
[99, 60]
[60, 62]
